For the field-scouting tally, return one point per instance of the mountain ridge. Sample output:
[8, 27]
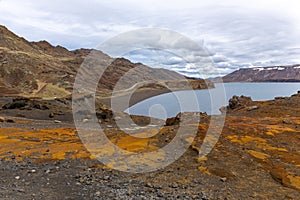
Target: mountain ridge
[281, 73]
[39, 69]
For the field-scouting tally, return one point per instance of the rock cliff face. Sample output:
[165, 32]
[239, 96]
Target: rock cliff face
[42, 70]
[265, 74]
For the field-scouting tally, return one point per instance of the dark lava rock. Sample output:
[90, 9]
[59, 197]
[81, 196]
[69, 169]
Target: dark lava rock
[173, 120]
[51, 115]
[25, 103]
[10, 121]
[104, 113]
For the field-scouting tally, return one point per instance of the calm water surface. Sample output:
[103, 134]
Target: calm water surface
[209, 100]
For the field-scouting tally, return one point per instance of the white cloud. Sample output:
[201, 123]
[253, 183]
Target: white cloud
[235, 33]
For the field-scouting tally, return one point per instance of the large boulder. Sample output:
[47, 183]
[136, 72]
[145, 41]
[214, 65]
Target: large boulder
[104, 113]
[173, 120]
[239, 102]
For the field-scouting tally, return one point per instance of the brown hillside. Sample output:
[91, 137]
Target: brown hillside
[42, 70]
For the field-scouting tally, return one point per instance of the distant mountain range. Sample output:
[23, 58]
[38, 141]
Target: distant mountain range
[264, 74]
[39, 69]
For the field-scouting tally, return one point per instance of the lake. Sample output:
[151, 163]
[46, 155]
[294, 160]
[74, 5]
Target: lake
[209, 100]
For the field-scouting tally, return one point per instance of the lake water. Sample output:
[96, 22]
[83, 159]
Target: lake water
[209, 100]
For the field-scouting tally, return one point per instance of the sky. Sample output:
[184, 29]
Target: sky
[233, 33]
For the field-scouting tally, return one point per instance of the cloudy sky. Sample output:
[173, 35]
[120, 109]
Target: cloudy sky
[234, 34]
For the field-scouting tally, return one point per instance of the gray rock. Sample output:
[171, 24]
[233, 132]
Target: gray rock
[224, 179]
[252, 108]
[286, 121]
[97, 194]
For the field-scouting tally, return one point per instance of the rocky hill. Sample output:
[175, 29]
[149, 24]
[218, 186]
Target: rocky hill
[265, 74]
[39, 69]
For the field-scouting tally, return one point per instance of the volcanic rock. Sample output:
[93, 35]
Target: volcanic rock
[173, 120]
[238, 102]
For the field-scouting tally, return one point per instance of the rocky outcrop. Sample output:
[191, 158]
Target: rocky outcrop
[25, 103]
[173, 120]
[238, 102]
[104, 114]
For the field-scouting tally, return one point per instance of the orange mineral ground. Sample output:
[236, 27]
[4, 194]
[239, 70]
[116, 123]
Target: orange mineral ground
[257, 153]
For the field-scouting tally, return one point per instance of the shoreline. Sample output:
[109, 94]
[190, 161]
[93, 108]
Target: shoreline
[136, 97]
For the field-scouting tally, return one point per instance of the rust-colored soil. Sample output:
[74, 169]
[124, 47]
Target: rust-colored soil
[256, 157]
